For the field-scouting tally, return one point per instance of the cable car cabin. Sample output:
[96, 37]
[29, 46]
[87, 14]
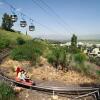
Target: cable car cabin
[31, 28]
[14, 18]
[23, 23]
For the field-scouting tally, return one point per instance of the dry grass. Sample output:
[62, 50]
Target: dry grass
[70, 77]
[46, 72]
[11, 65]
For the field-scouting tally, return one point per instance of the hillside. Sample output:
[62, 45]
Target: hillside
[39, 59]
[12, 36]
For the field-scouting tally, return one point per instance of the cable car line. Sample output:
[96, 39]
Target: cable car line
[58, 17]
[56, 14]
[13, 16]
[44, 10]
[46, 27]
[58, 22]
[23, 23]
[31, 26]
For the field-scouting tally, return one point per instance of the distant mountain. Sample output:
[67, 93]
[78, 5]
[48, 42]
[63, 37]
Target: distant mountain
[67, 37]
[89, 37]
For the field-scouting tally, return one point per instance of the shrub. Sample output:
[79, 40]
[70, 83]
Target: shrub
[6, 92]
[65, 58]
[97, 61]
[58, 56]
[80, 57]
[92, 59]
[74, 50]
[4, 43]
[28, 51]
[54, 56]
[35, 55]
[98, 72]
[20, 41]
[81, 64]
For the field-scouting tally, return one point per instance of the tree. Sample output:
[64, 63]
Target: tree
[74, 41]
[94, 46]
[58, 57]
[54, 56]
[7, 22]
[73, 47]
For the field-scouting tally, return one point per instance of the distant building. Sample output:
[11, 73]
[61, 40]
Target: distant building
[85, 51]
[98, 45]
[95, 52]
[80, 44]
[89, 44]
[66, 44]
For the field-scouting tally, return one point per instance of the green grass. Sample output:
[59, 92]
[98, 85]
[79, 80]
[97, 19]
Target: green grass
[12, 36]
[6, 92]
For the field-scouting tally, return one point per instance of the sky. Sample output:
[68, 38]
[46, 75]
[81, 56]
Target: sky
[58, 21]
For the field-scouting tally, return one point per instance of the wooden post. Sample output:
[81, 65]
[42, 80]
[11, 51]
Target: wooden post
[97, 95]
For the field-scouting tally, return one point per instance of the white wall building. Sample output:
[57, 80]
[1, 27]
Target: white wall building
[96, 52]
[98, 45]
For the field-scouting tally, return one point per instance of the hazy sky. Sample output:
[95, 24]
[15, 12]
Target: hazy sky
[79, 16]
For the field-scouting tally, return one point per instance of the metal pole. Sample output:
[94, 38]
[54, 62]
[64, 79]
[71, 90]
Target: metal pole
[26, 32]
